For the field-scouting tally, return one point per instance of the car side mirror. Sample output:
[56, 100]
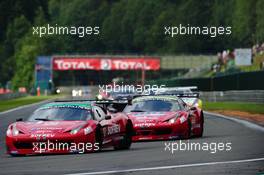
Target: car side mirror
[19, 119]
[108, 117]
[129, 101]
[192, 108]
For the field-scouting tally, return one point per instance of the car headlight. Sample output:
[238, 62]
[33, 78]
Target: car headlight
[174, 119]
[15, 131]
[99, 97]
[76, 130]
[8, 132]
[88, 130]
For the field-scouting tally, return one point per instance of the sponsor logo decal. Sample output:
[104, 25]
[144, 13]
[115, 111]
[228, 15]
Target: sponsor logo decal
[102, 63]
[42, 136]
[143, 125]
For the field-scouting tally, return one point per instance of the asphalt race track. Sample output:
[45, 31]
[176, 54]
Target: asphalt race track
[245, 157]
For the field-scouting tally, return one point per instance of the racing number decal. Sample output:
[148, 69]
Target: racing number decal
[113, 129]
[109, 130]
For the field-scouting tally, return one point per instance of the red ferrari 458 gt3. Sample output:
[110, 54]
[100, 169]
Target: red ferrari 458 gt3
[164, 117]
[68, 127]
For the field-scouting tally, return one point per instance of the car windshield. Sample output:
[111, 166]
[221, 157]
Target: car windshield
[60, 113]
[153, 106]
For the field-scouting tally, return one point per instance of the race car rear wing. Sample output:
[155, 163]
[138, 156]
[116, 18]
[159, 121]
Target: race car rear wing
[188, 95]
[181, 88]
[184, 95]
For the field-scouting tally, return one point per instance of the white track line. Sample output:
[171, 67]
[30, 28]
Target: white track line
[171, 167]
[241, 121]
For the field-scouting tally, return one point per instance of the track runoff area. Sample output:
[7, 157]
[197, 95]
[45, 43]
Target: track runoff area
[227, 147]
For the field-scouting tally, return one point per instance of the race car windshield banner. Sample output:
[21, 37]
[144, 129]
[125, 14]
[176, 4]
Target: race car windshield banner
[146, 63]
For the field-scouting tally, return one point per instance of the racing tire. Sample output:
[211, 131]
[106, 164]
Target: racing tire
[17, 155]
[98, 138]
[187, 134]
[126, 142]
[201, 126]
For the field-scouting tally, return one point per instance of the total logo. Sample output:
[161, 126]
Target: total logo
[106, 64]
[131, 65]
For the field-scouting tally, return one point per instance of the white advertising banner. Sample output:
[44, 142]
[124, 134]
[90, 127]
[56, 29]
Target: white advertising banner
[243, 57]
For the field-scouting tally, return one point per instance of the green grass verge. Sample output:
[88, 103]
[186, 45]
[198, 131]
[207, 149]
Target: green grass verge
[13, 103]
[238, 106]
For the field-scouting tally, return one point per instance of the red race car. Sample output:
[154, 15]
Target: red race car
[163, 117]
[69, 127]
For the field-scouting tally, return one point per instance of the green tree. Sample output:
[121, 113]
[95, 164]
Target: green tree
[15, 31]
[26, 51]
[260, 21]
[244, 22]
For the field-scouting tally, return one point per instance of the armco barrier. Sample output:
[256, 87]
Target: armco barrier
[237, 81]
[9, 96]
[254, 96]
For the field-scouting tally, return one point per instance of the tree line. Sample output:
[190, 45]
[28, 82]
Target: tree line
[126, 27]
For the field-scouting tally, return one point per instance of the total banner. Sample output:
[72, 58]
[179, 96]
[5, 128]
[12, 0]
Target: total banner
[126, 63]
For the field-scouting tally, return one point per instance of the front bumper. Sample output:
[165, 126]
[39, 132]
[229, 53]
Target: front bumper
[58, 144]
[163, 131]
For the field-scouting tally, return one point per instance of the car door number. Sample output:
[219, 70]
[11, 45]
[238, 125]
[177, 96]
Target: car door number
[109, 130]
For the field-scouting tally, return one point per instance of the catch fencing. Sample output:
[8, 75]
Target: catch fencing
[254, 96]
[236, 81]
